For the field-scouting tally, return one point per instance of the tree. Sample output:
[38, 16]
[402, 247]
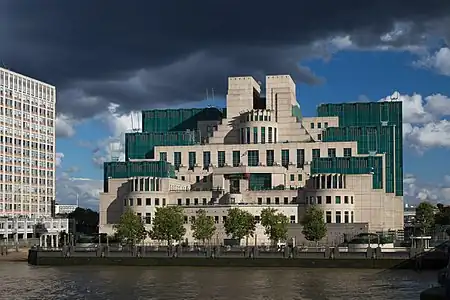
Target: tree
[203, 227]
[442, 217]
[314, 227]
[275, 224]
[425, 217]
[130, 228]
[168, 224]
[239, 224]
[86, 220]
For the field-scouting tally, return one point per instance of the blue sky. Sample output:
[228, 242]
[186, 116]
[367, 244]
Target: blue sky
[349, 75]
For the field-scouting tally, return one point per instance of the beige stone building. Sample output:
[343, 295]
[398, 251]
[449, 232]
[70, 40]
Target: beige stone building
[261, 152]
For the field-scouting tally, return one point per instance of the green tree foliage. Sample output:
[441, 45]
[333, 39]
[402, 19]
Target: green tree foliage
[425, 217]
[314, 226]
[168, 224]
[239, 224]
[130, 228]
[203, 227]
[442, 217]
[86, 220]
[275, 224]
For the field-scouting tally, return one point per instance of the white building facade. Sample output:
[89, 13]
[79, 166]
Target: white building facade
[27, 142]
[263, 153]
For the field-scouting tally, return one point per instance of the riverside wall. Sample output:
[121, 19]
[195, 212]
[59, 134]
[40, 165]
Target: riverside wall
[372, 258]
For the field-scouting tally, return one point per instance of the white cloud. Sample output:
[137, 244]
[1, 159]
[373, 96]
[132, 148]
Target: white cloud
[416, 191]
[59, 157]
[67, 189]
[424, 120]
[438, 61]
[65, 126]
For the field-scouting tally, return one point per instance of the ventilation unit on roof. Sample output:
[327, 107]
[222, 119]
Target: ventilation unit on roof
[384, 123]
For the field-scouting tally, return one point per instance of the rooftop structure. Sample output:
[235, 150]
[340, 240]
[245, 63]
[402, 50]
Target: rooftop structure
[260, 151]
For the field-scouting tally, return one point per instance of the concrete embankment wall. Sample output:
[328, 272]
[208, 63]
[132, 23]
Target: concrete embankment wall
[358, 260]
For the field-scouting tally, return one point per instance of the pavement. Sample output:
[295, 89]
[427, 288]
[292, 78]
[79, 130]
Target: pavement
[13, 256]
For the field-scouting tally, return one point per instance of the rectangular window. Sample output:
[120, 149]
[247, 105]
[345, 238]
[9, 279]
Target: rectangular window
[177, 160]
[242, 135]
[319, 125]
[188, 201]
[292, 177]
[221, 158]
[156, 201]
[148, 218]
[163, 156]
[131, 201]
[259, 201]
[292, 219]
[319, 199]
[338, 217]
[331, 152]
[148, 201]
[338, 199]
[263, 135]
[345, 199]
[236, 158]
[164, 202]
[270, 157]
[267, 200]
[275, 135]
[347, 152]
[286, 200]
[351, 200]
[248, 134]
[277, 200]
[179, 201]
[204, 201]
[325, 125]
[328, 199]
[206, 159]
[300, 177]
[315, 153]
[300, 158]
[269, 138]
[346, 219]
[192, 160]
[352, 218]
[195, 201]
[139, 201]
[319, 137]
[328, 217]
[147, 184]
[312, 125]
[253, 158]
[255, 135]
[285, 158]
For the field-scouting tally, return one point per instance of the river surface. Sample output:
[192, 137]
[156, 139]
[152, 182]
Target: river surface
[22, 282]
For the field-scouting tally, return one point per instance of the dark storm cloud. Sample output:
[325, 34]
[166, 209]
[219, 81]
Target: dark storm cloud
[153, 53]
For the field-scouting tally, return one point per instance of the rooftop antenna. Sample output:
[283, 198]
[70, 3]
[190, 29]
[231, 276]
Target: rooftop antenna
[133, 127]
[395, 96]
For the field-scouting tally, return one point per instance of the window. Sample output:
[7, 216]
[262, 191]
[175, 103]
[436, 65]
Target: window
[131, 202]
[315, 153]
[164, 202]
[236, 158]
[216, 219]
[179, 201]
[312, 125]
[185, 219]
[147, 184]
[263, 135]
[192, 219]
[255, 135]
[300, 158]
[125, 202]
[242, 135]
[319, 125]
[259, 201]
[319, 199]
[352, 219]
[197, 178]
[206, 159]
[319, 137]
[192, 160]
[338, 199]
[270, 157]
[156, 201]
[328, 199]
[292, 177]
[285, 158]
[351, 200]
[163, 156]
[148, 218]
[204, 201]
[188, 201]
[253, 158]
[141, 184]
[177, 159]
[331, 152]
[346, 217]
[277, 200]
[195, 201]
[139, 201]
[294, 199]
[148, 201]
[292, 219]
[275, 135]
[270, 135]
[248, 134]
[300, 177]
[224, 219]
[286, 200]
[338, 217]
[347, 152]
[268, 200]
[325, 125]
[221, 158]
[328, 216]
[257, 219]
[345, 199]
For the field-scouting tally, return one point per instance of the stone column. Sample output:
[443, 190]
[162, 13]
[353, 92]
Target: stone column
[45, 241]
[57, 241]
[52, 241]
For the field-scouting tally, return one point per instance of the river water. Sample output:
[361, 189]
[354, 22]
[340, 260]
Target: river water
[20, 281]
